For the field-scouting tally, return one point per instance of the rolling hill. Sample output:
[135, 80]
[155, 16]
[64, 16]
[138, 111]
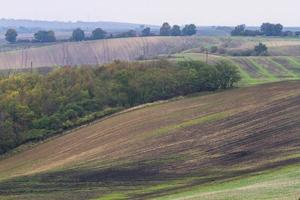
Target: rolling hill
[128, 49]
[238, 144]
[96, 52]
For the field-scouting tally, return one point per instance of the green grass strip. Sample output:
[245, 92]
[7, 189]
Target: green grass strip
[283, 68]
[113, 196]
[267, 187]
[193, 122]
[246, 77]
[261, 70]
[293, 62]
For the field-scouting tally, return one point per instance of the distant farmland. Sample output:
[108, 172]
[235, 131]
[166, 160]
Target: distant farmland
[96, 52]
[128, 49]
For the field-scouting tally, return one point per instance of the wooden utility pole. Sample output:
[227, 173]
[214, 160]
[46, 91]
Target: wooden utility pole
[31, 67]
[206, 56]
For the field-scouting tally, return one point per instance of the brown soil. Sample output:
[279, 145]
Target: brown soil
[260, 131]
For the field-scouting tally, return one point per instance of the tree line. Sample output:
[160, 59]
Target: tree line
[49, 36]
[35, 106]
[266, 29]
[97, 34]
[188, 30]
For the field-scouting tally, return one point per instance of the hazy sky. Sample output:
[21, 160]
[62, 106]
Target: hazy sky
[200, 12]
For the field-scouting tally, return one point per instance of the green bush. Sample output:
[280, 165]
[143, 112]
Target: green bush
[37, 134]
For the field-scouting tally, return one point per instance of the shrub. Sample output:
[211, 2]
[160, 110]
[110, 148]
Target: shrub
[214, 49]
[261, 49]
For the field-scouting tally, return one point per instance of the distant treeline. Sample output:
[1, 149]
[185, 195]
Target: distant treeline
[97, 34]
[266, 29]
[34, 106]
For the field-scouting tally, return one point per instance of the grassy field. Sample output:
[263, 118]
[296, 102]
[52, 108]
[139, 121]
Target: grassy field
[255, 70]
[281, 184]
[238, 144]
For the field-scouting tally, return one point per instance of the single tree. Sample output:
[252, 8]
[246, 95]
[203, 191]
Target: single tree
[11, 35]
[146, 32]
[261, 49]
[278, 29]
[189, 30]
[238, 30]
[51, 36]
[98, 34]
[78, 35]
[228, 75]
[165, 30]
[176, 31]
[45, 36]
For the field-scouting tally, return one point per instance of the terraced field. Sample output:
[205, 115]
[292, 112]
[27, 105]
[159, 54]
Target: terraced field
[255, 70]
[238, 144]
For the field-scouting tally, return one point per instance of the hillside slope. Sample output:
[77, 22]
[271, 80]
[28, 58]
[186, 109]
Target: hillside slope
[201, 146]
[255, 69]
[95, 52]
